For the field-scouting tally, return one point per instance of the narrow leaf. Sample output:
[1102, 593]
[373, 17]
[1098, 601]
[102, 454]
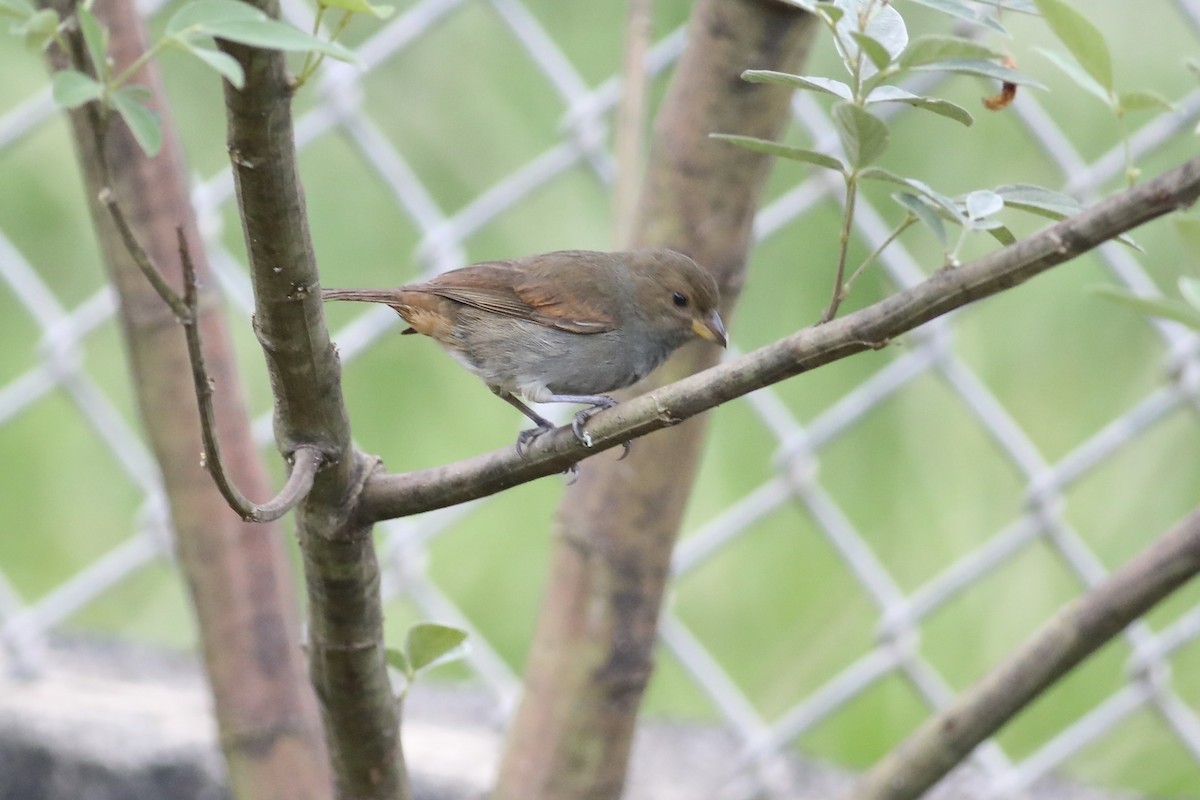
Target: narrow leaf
[142, 121]
[71, 88]
[193, 17]
[923, 211]
[1077, 73]
[428, 644]
[782, 150]
[864, 136]
[268, 33]
[226, 65]
[935, 47]
[1153, 306]
[1039, 200]
[1143, 100]
[1000, 233]
[971, 13]
[359, 7]
[894, 94]
[1081, 37]
[95, 37]
[949, 210]
[873, 49]
[814, 83]
[984, 69]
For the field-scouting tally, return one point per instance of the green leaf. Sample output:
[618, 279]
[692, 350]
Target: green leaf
[359, 7]
[1142, 100]
[17, 9]
[95, 36]
[934, 47]
[927, 214]
[864, 136]
[782, 150]
[71, 88]
[1153, 306]
[971, 13]
[223, 63]
[984, 69]
[272, 35]
[1190, 289]
[809, 82]
[194, 17]
[1081, 37]
[38, 29]
[1000, 233]
[982, 204]
[1076, 73]
[129, 102]
[885, 27]
[1038, 200]
[947, 207]
[873, 49]
[428, 644]
[894, 94]
[398, 661]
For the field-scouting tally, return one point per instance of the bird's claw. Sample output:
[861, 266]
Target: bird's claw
[583, 416]
[526, 437]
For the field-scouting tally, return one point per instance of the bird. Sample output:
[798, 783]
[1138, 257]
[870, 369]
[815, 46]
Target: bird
[562, 327]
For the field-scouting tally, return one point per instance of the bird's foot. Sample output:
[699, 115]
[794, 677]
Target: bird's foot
[526, 437]
[583, 416]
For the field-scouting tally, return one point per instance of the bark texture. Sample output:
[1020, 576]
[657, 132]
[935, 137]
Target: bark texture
[347, 657]
[592, 653]
[237, 572]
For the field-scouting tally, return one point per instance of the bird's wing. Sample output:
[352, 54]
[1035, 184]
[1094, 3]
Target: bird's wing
[503, 287]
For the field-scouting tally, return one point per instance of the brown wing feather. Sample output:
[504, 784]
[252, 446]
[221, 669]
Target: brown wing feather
[517, 290]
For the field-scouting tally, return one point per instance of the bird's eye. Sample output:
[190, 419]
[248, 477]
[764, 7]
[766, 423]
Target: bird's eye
[679, 299]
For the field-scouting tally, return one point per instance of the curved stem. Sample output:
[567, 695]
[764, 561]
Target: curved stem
[306, 459]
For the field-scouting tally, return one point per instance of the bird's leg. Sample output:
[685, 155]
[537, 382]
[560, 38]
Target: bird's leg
[525, 437]
[598, 403]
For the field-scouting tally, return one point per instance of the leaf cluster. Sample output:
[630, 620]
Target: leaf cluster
[193, 29]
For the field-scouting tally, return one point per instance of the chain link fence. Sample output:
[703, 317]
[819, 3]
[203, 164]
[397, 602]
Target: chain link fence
[58, 363]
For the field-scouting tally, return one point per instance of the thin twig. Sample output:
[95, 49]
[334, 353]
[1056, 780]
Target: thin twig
[839, 286]
[1077, 631]
[306, 459]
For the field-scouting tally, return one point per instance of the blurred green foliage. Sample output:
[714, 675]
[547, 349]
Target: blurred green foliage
[918, 476]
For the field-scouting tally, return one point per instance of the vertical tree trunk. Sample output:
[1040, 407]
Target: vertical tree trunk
[347, 657]
[592, 653]
[237, 572]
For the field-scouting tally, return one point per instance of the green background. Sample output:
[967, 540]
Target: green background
[917, 476]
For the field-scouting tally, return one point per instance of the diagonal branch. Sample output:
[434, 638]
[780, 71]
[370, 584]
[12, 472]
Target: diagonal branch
[386, 496]
[1073, 634]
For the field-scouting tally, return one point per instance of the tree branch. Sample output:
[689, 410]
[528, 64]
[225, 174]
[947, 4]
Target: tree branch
[386, 496]
[1073, 634]
[305, 460]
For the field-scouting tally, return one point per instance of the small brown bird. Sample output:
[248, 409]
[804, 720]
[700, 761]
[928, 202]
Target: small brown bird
[564, 327]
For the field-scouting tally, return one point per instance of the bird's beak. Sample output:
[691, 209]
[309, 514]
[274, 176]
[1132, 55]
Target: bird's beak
[711, 329]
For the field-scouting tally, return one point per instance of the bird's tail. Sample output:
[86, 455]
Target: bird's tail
[387, 296]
